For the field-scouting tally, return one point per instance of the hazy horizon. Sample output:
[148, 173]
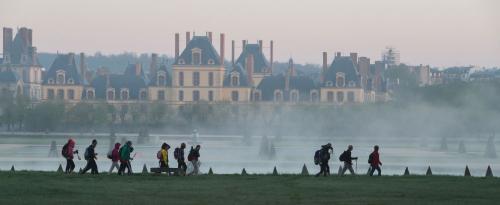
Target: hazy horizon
[437, 33]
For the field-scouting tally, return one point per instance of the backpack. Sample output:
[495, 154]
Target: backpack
[177, 153]
[86, 155]
[317, 157]
[190, 155]
[343, 156]
[370, 158]
[110, 154]
[64, 151]
[158, 155]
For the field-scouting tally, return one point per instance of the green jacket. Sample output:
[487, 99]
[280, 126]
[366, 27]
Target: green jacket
[125, 152]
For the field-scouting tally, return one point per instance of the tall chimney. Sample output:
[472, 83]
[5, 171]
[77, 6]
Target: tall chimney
[325, 66]
[222, 48]
[354, 57]
[138, 69]
[260, 45]
[271, 58]
[338, 54]
[154, 64]
[30, 37]
[244, 44]
[7, 40]
[33, 56]
[188, 37]
[176, 45]
[232, 52]
[209, 36]
[82, 66]
[249, 67]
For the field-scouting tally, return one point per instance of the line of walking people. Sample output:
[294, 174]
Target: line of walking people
[322, 157]
[121, 158]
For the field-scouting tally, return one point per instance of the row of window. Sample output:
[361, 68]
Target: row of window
[60, 94]
[330, 96]
[196, 79]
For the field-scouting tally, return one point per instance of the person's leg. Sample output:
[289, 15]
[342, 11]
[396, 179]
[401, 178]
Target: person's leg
[320, 170]
[379, 171]
[67, 166]
[372, 170]
[351, 169]
[129, 167]
[71, 165]
[344, 168]
[327, 169]
[94, 167]
[122, 168]
[87, 167]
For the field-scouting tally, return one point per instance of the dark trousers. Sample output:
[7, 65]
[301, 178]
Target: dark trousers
[123, 165]
[325, 169]
[181, 165]
[375, 167]
[163, 165]
[70, 165]
[91, 165]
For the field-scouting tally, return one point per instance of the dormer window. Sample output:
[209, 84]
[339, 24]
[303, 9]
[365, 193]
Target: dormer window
[211, 62]
[351, 84]
[124, 94]
[161, 81]
[340, 79]
[235, 79]
[256, 95]
[181, 61]
[314, 96]
[294, 96]
[51, 81]
[71, 81]
[90, 94]
[143, 95]
[329, 84]
[278, 96]
[110, 94]
[60, 77]
[196, 55]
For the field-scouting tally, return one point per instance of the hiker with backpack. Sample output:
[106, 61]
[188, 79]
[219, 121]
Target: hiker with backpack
[193, 157]
[322, 157]
[114, 155]
[68, 153]
[179, 156]
[374, 161]
[125, 158]
[90, 155]
[347, 159]
[162, 155]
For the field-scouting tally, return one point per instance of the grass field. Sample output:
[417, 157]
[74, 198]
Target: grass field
[53, 188]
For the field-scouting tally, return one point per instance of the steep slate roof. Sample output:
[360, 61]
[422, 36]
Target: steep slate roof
[168, 80]
[20, 47]
[207, 52]
[8, 76]
[67, 63]
[343, 64]
[457, 70]
[130, 70]
[243, 76]
[260, 62]
[269, 84]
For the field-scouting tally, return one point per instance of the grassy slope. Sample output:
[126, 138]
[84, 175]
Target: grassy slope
[52, 188]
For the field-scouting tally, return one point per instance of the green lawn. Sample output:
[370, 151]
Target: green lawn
[53, 188]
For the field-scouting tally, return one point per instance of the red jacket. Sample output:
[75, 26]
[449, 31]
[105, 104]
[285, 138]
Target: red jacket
[71, 146]
[115, 154]
[376, 159]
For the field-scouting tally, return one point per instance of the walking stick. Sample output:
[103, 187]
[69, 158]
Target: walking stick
[356, 165]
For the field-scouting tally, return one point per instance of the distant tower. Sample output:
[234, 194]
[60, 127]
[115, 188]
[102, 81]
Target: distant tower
[390, 56]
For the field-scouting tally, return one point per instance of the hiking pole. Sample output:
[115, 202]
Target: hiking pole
[356, 165]
[78, 156]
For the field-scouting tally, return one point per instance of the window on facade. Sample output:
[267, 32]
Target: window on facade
[161, 80]
[235, 96]
[90, 95]
[60, 94]
[51, 81]
[329, 84]
[278, 96]
[161, 95]
[210, 95]
[50, 94]
[235, 80]
[352, 84]
[256, 96]
[124, 95]
[211, 61]
[196, 95]
[196, 58]
[196, 78]
[71, 94]
[181, 95]
[71, 81]
[111, 95]
[181, 61]
[143, 95]
[314, 97]
[181, 78]
[350, 96]
[60, 78]
[329, 96]
[210, 79]
[295, 96]
[340, 96]
[340, 81]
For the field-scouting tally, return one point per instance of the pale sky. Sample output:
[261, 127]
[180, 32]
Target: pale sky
[434, 32]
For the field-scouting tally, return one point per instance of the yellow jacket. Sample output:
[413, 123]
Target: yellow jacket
[164, 156]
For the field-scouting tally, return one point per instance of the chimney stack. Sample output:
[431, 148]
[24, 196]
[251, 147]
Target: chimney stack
[209, 34]
[154, 64]
[7, 41]
[338, 54]
[244, 42]
[232, 52]
[71, 58]
[176, 45]
[82, 66]
[188, 37]
[138, 69]
[33, 56]
[30, 37]
[222, 48]
[271, 58]
[354, 57]
[249, 67]
[325, 66]
[261, 45]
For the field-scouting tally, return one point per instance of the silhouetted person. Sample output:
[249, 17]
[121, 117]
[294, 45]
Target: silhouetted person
[125, 158]
[179, 156]
[347, 159]
[91, 156]
[324, 157]
[68, 153]
[193, 157]
[374, 160]
[115, 157]
[164, 156]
